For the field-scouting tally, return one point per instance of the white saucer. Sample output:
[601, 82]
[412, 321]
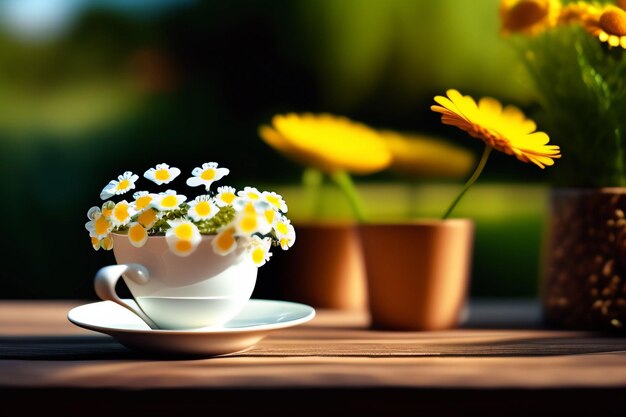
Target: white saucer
[247, 328]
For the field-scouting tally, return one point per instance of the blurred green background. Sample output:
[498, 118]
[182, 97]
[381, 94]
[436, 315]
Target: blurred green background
[91, 88]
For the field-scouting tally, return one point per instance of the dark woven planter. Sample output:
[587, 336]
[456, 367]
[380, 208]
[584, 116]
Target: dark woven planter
[584, 283]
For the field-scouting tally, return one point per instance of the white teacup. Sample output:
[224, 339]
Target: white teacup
[174, 292]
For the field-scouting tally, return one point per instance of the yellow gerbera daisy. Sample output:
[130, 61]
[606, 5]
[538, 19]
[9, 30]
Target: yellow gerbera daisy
[608, 25]
[530, 17]
[327, 142]
[504, 129]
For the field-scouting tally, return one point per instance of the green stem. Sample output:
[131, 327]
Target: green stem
[471, 181]
[312, 180]
[344, 181]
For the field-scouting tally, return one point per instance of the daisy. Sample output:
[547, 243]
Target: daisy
[225, 196]
[142, 200]
[148, 218]
[250, 206]
[608, 25]
[137, 235]
[182, 237]
[98, 225]
[530, 17]
[168, 200]
[250, 193]
[283, 227]
[124, 183]
[275, 200]
[260, 250]
[504, 129]
[202, 208]
[105, 243]
[225, 242]
[122, 213]
[107, 208]
[247, 223]
[206, 175]
[162, 174]
[288, 240]
[285, 232]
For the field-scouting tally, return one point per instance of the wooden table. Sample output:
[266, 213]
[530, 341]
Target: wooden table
[501, 363]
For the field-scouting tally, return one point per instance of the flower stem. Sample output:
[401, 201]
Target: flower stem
[471, 181]
[312, 180]
[344, 181]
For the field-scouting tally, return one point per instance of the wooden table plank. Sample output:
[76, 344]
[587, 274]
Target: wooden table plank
[333, 365]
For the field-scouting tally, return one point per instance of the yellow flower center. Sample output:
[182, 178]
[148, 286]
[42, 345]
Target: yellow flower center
[228, 198]
[169, 201]
[143, 202]
[282, 228]
[122, 185]
[120, 212]
[248, 224]
[270, 214]
[613, 22]
[526, 13]
[225, 240]
[136, 233]
[147, 218]
[107, 212]
[258, 255]
[184, 232]
[253, 196]
[101, 226]
[95, 241]
[203, 209]
[275, 201]
[107, 243]
[184, 246]
[208, 174]
[162, 174]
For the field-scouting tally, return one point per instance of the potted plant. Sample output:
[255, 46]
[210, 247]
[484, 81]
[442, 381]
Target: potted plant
[329, 271]
[418, 274]
[574, 55]
[187, 262]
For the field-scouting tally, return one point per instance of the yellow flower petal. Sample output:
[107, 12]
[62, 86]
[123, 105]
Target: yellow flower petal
[427, 157]
[327, 142]
[504, 129]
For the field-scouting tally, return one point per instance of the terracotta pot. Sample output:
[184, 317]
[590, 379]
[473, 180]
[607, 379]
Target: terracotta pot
[418, 273]
[584, 281]
[324, 268]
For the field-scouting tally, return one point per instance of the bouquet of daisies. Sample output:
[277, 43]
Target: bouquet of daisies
[247, 218]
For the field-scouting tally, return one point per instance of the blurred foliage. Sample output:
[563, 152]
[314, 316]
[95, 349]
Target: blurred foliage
[575, 74]
[120, 89]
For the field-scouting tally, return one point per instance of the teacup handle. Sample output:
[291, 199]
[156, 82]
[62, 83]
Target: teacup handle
[106, 279]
